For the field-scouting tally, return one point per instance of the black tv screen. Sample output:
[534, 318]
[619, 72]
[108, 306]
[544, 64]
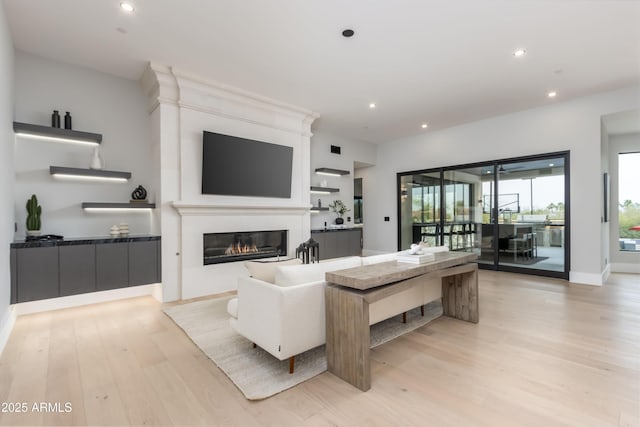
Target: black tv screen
[235, 166]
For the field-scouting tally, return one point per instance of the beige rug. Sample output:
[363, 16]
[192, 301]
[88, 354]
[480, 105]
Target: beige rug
[255, 372]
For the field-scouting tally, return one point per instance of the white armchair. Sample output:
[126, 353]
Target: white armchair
[284, 321]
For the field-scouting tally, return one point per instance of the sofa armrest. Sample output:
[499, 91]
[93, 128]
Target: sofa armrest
[260, 313]
[304, 326]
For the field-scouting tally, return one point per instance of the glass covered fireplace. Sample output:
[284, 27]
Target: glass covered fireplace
[243, 245]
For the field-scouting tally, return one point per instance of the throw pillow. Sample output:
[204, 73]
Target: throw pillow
[266, 270]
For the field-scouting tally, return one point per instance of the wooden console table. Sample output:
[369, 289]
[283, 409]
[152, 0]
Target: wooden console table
[349, 293]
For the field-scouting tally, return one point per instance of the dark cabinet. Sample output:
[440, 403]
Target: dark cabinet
[12, 263]
[112, 266]
[57, 269]
[354, 242]
[36, 273]
[326, 245]
[143, 263]
[339, 243]
[159, 259]
[77, 269]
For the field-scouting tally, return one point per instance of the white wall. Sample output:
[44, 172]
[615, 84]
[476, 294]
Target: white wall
[621, 261]
[573, 126]
[322, 157]
[99, 103]
[6, 174]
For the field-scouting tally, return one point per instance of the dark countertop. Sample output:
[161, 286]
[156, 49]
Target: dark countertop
[80, 241]
[324, 230]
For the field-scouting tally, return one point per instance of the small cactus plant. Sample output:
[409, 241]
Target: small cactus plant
[33, 214]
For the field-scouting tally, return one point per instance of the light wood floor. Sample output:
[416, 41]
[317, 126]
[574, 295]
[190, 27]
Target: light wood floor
[545, 353]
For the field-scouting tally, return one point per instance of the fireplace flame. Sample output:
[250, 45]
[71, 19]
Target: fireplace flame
[237, 249]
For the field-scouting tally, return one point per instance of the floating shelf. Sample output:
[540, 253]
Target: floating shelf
[316, 209]
[324, 190]
[331, 172]
[56, 134]
[109, 205]
[98, 174]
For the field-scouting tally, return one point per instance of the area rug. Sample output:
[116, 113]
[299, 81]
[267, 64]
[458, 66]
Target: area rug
[255, 372]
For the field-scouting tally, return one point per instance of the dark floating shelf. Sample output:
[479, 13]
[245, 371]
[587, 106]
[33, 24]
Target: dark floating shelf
[316, 209]
[94, 173]
[58, 133]
[109, 205]
[324, 189]
[329, 171]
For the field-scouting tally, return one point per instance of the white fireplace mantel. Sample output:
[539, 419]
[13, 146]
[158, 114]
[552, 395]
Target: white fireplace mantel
[182, 106]
[207, 209]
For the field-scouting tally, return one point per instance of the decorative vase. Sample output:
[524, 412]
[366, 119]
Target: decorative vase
[55, 119]
[67, 121]
[139, 194]
[339, 221]
[96, 161]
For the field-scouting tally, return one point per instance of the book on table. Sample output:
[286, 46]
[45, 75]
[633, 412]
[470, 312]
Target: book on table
[416, 258]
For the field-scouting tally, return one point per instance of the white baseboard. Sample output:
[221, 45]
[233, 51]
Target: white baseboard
[606, 273]
[6, 326]
[593, 279]
[157, 291]
[85, 299]
[624, 267]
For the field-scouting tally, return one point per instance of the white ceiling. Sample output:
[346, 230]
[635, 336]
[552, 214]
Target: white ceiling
[443, 62]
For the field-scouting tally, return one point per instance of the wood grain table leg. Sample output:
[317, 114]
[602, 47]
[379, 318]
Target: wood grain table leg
[460, 293]
[347, 320]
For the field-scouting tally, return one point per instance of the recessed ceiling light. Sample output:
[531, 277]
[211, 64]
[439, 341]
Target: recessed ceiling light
[550, 165]
[552, 94]
[518, 53]
[348, 33]
[372, 105]
[127, 7]
[424, 126]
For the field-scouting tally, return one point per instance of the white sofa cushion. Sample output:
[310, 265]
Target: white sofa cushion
[266, 270]
[290, 275]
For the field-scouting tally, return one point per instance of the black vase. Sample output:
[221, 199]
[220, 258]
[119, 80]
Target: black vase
[55, 119]
[139, 193]
[339, 221]
[67, 121]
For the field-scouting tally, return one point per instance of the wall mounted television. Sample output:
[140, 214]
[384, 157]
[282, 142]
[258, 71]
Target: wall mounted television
[234, 166]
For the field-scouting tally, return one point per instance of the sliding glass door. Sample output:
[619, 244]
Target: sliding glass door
[531, 214]
[420, 209]
[511, 213]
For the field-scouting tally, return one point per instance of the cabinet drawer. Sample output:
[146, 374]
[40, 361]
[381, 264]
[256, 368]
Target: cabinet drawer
[112, 266]
[36, 274]
[77, 269]
[143, 263]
